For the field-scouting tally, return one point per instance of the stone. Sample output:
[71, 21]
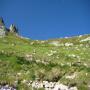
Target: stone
[2, 28]
[60, 87]
[13, 29]
[71, 76]
[29, 57]
[2, 32]
[73, 88]
[86, 39]
[68, 44]
[55, 43]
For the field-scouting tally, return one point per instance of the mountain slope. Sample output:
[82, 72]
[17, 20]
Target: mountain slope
[65, 60]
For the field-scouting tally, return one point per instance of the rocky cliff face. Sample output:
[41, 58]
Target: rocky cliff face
[2, 28]
[13, 29]
[4, 31]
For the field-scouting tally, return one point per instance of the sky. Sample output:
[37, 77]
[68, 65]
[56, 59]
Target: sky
[47, 19]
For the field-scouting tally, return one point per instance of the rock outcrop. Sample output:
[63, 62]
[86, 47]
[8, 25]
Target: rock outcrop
[2, 28]
[4, 31]
[13, 29]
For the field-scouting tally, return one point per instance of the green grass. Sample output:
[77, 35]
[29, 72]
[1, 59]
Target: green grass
[13, 50]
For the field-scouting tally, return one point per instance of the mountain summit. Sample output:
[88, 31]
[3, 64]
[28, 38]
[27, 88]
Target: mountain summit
[13, 29]
[2, 28]
[5, 31]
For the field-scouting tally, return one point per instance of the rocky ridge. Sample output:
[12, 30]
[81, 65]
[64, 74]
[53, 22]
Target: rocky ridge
[4, 31]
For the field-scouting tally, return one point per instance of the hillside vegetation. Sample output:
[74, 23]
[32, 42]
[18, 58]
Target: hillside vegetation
[66, 60]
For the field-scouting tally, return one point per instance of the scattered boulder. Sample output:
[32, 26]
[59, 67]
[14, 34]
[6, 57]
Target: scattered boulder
[7, 87]
[60, 87]
[86, 39]
[29, 57]
[55, 43]
[68, 44]
[51, 85]
[71, 76]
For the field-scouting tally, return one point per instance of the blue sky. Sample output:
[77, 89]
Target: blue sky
[45, 19]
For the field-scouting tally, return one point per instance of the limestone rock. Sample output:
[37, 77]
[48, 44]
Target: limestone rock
[2, 28]
[13, 29]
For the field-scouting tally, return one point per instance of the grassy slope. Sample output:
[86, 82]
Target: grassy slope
[15, 66]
